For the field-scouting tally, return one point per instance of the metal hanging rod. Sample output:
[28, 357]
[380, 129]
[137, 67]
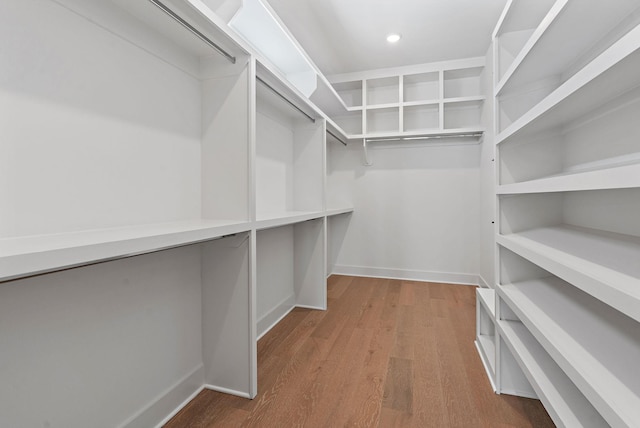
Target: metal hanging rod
[427, 137]
[275, 91]
[194, 31]
[336, 137]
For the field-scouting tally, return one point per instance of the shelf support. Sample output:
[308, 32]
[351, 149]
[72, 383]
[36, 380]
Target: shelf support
[193, 30]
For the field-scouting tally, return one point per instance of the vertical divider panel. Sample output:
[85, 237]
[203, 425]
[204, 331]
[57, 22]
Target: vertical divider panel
[228, 338]
[226, 149]
[308, 165]
[309, 264]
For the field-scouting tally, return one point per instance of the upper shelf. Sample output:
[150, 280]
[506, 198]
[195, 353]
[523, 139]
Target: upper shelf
[33, 255]
[613, 177]
[602, 264]
[597, 347]
[612, 73]
[566, 36]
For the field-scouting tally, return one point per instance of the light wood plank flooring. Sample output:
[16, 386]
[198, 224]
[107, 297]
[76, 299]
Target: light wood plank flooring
[386, 353]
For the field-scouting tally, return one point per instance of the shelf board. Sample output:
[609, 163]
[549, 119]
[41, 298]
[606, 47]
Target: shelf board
[602, 264]
[612, 73]
[487, 347]
[338, 211]
[597, 347]
[570, 29]
[270, 220]
[478, 98]
[566, 405]
[382, 106]
[529, 45]
[618, 177]
[488, 299]
[420, 103]
[35, 255]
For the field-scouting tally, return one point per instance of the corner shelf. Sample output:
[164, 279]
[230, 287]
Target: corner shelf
[596, 346]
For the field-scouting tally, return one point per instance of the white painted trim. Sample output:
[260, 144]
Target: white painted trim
[487, 368]
[483, 283]
[165, 405]
[408, 69]
[315, 308]
[226, 391]
[273, 317]
[519, 393]
[407, 274]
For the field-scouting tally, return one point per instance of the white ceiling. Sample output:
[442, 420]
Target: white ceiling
[343, 36]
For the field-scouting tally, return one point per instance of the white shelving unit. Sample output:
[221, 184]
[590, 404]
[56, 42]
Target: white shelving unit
[167, 194]
[438, 99]
[568, 204]
[486, 330]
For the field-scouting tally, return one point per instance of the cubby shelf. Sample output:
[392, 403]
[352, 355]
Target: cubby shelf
[595, 345]
[432, 102]
[603, 264]
[611, 74]
[566, 405]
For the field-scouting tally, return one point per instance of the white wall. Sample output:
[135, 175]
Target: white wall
[96, 132]
[416, 211]
[92, 346]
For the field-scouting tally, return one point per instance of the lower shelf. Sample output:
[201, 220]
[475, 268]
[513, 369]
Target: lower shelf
[596, 346]
[564, 402]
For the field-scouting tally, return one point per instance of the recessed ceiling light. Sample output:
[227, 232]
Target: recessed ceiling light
[392, 38]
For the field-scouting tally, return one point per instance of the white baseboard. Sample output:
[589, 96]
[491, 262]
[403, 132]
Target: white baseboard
[227, 391]
[409, 275]
[274, 316]
[169, 402]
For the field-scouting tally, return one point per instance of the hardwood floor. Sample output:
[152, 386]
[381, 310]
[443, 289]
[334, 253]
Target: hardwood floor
[386, 353]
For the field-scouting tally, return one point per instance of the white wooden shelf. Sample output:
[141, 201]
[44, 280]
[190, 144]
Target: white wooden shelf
[602, 264]
[597, 347]
[616, 177]
[381, 106]
[488, 299]
[33, 255]
[611, 74]
[270, 220]
[421, 103]
[486, 331]
[569, 31]
[566, 405]
[338, 211]
[535, 36]
[463, 99]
